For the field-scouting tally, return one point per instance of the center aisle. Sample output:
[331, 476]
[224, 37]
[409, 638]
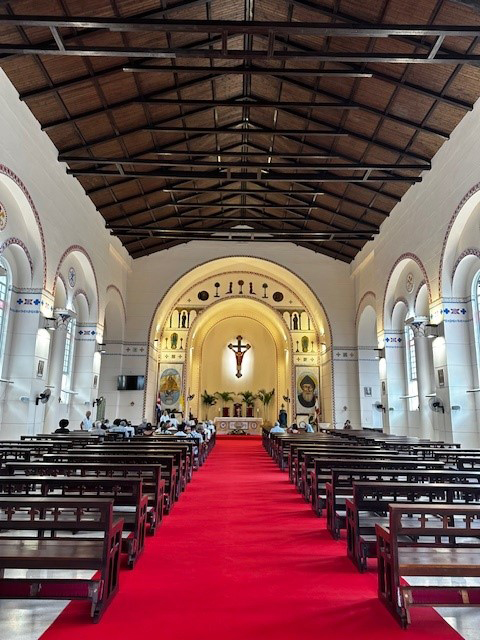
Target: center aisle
[243, 557]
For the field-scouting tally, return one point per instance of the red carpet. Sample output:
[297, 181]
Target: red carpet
[243, 557]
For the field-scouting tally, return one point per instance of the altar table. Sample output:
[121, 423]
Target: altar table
[226, 425]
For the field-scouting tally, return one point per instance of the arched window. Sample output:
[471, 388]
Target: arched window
[68, 360]
[4, 300]
[411, 360]
[476, 316]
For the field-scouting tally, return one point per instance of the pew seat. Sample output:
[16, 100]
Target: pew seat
[24, 523]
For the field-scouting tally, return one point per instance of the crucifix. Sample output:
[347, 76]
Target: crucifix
[239, 350]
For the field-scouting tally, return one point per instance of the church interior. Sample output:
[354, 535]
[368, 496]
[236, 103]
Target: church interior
[239, 319]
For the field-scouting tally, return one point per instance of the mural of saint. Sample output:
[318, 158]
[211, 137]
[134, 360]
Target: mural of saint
[169, 388]
[307, 396]
[173, 340]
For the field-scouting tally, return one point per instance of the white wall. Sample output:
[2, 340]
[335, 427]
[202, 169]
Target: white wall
[31, 177]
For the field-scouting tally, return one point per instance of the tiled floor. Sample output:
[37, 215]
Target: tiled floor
[28, 619]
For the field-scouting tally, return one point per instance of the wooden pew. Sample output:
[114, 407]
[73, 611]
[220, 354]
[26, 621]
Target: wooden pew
[340, 487]
[299, 452]
[323, 469]
[129, 502]
[428, 541]
[153, 487]
[20, 516]
[170, 462]
[369, 506]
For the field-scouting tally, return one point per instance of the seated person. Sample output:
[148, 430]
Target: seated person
[205, 433]
[98, 429]
[309, 427]
[196, 434]
[172, 429]
[148, 429]
[182, 430]
[277, 428]
[347, 425]
[62, 427]
[293, 428]
[122, 427]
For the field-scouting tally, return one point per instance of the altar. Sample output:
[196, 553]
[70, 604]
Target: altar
[251, 426]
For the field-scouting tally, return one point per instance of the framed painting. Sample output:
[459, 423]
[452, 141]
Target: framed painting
[170, 385]
[307, 389]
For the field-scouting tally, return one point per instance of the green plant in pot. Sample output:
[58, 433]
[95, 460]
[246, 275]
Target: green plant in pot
[208, 400]
[225, 396]
[265, 397]
[249, 398]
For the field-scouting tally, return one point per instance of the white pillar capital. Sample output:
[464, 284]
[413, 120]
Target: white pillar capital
[63, 317]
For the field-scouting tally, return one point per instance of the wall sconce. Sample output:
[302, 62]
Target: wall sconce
[48, 323]
[432, 331]
[380, 353]
[101, 347]
[97, 401]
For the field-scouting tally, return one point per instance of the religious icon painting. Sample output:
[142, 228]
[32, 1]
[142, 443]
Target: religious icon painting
[170, 385]
[307, 389]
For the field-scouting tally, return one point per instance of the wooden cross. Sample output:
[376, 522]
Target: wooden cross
[239, 350]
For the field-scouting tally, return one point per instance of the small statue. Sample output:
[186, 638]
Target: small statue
[295, 322]
[305, 344]
[184, 320]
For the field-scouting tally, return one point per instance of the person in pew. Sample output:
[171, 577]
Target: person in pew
[62, 427]
[277, 428]
[122, 427]
[182, 430]
[194, 433]
[293, 428]
[309, 428]
[173, 421]
[205, 433]
[98, 429]
[165, 426]
[172, 429]
[148, 430]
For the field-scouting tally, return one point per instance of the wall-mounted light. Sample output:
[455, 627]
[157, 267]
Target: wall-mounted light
[380, 353]
[432, 331]
[48, 323]
[101, 347]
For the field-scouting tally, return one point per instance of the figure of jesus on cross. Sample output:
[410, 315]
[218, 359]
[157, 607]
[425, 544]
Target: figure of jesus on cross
[239, 350]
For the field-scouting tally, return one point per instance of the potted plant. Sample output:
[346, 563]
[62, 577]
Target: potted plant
[249, 398]
[225, 396]
[266, 398]
[208, 400]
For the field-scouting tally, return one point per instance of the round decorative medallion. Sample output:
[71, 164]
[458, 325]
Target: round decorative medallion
[203, 295]
[277, 296]
[409, 283]
[3, 217]
[72, 277]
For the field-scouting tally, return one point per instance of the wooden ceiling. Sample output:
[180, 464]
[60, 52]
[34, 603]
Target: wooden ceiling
[267, 120]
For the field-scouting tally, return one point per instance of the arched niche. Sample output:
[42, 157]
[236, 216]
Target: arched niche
[267, 364]
[249, 279]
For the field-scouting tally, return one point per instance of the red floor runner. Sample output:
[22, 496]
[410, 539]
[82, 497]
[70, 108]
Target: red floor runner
[243, 557]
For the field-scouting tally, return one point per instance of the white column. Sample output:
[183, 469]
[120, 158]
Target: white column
[55, 367]
[424, 359]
